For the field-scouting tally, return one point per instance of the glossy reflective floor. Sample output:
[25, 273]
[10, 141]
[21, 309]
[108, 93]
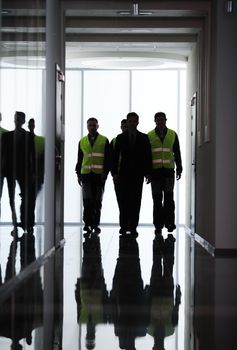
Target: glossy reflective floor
[120, 292]
[128, 292]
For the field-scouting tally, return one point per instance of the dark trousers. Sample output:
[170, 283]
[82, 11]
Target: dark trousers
[163, 203]
[27, 217]
[1, 187]
[129, 195]
[35, 188]
[92, 194]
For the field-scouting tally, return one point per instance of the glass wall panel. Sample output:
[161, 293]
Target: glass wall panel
[73, 122]
[182, 139]
[108, 95]
[23, 92]
[154, 91]
[22, 89]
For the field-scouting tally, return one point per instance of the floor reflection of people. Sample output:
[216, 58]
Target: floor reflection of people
[91, 293]
[163, 302]
[22, 312]
[127, 297]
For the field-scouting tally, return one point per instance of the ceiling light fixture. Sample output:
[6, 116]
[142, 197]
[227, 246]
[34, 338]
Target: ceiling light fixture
[4, 12]
[141, 13]
[135, 9]
[229, 6]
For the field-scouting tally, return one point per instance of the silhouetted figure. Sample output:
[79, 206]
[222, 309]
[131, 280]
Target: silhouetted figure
[163, 304]
[131, 163]
[2, 175]
[165, 156]
[38, 179]
[39, 156]
[22, 311]
[92, 168]
[18, 160]
[127, 297]
[91, 293]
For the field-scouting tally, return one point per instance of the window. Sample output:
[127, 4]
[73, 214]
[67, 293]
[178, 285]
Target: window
[109, 95]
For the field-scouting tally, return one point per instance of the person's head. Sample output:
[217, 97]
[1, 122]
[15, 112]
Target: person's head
[124, 126]
[19, 119]
[31, 125]
[92, 126]
[132, 121]
[160, 120]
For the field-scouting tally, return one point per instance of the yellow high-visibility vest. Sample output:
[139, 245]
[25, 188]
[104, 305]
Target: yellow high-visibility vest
[93, 156]
[162, 152]
[39, 145]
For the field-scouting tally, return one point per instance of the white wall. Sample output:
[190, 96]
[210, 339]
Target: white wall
[225, 87]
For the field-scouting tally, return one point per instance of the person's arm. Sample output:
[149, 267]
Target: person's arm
[111, 151]
[79, 163]
[107, 160]
[115, 158]
[148, 160]
[32, 154]
[177, 157]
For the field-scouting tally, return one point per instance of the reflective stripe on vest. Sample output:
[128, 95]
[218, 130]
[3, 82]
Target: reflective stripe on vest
[93, 156]
[162, 153]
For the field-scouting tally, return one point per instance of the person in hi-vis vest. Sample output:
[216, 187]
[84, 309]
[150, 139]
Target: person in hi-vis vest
[92, 168]
[165, 156]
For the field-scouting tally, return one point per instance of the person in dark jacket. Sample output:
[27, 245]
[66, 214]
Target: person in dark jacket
[131, 164]
[2, 130]
[165, 156]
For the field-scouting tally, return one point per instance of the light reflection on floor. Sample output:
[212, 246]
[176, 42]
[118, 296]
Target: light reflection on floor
[133, 273]
[106, 336]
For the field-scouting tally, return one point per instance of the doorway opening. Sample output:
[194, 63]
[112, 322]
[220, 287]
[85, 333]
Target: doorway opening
[92, 90]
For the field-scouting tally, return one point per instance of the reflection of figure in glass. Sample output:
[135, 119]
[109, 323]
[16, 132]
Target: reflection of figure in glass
[18, 159]
[92, 169]
[91, 294]
[22, 311]
[127, 298]
[38, 179]
[131, 163]
[165, 156]
[2, 175]
[162, 305]
[39, 156]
